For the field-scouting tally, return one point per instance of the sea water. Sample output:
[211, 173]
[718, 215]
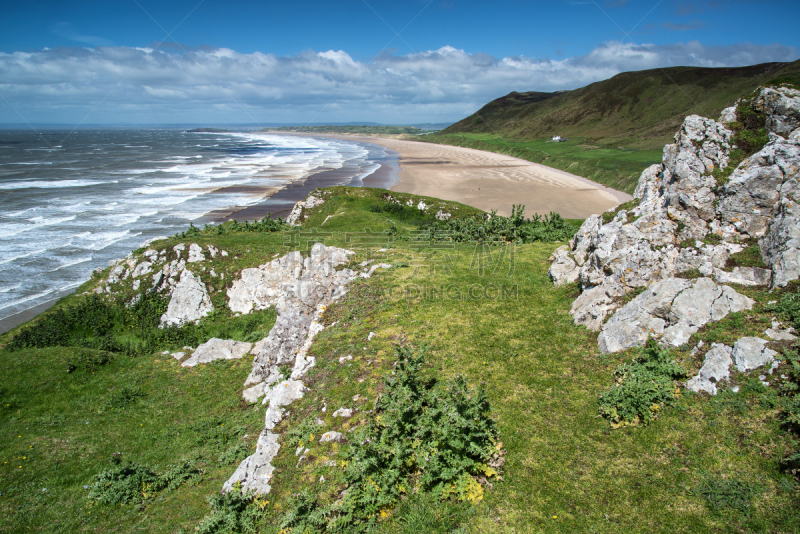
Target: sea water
[72, 201]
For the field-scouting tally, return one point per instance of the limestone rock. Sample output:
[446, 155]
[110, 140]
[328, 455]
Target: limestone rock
[672, 310]
[190, 301]
[331, 436]
[442, 215]
[782, 109]
[746, 276]
[728, 115]
[218, 349]
[752, 353]
[299, 289]
[141, 269]
[295, 216]
[757, 185]
[716, 367]
[593, 306]
[780, 248]
[343, 412]
[255, 471]
[180, 247]
[563, 270]
[195, 253]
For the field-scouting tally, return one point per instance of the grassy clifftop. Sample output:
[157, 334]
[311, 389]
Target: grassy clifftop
[486, 312]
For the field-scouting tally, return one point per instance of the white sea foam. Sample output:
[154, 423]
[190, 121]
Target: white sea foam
[50, 184]
[6, 289]
[71, 263]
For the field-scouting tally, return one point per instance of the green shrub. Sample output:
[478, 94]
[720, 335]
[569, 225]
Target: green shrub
[498, 229]
[643, 387]
[265, 225]
[424, 436]
[787, 308]
[130, 482]
[232, 512]
[88, 360]
[301, 434]
[234, 454]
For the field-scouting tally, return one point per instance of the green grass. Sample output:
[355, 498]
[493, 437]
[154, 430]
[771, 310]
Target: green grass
[618, 168]
[487, 313]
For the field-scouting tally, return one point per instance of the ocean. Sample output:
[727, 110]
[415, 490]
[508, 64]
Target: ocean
[72, 201]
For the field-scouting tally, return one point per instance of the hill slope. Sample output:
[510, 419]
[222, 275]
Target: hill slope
[634, 109]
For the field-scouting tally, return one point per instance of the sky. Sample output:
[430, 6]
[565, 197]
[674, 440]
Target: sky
[209, 62]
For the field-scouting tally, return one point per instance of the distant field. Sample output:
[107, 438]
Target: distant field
[353, 129]
[618, 168]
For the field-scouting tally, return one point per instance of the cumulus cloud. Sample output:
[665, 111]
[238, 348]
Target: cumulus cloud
[123, 84]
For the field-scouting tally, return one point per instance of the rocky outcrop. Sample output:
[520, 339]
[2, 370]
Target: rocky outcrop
[716, 368]
[685, 221]
[670, 310]
[189, 302]
[297, 215]
[218, 349]
[752, 353]
[748, 353]
[300, 289]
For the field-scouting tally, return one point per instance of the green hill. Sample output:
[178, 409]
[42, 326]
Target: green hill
[634, 109]
[616, 127]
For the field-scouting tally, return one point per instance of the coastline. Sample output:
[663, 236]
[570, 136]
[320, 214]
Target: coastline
[490, 181]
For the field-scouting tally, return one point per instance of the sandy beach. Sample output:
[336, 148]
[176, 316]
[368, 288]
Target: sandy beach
[491, 181]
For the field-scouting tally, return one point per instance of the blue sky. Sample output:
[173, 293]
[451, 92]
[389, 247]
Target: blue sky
[211, 62]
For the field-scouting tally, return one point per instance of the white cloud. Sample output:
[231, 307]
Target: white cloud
[222, 85]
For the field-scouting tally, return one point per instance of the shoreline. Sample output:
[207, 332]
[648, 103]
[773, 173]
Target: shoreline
[488, 180]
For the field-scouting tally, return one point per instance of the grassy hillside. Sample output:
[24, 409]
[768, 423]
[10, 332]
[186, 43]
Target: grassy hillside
[486, 313]
[634, 109]
[617, 127]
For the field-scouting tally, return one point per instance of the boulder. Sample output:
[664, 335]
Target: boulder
[195, 254]
[752, 353]
[343, 412]
[716, 367]
[189, 302]
[781, 106]
[563, 270]
[671, 310]
[218, 349]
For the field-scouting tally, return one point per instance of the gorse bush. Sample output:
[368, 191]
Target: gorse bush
[643, 387]
[130, 482]
[267, 224]
[424, 436]
[497, 229]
